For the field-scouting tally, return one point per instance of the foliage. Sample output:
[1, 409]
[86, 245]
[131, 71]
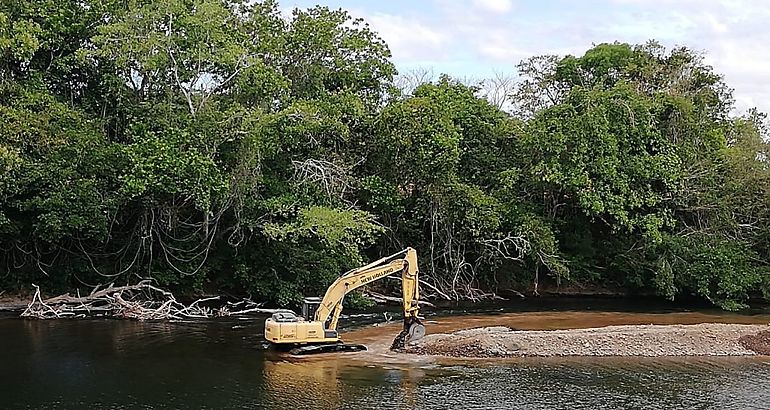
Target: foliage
[602, 151]
[224, 145]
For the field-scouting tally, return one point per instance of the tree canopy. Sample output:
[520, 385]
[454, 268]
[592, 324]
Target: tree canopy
[220, 145]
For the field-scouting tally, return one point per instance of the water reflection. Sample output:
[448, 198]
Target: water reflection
[218, 364]
[291, 384]
[336, 382]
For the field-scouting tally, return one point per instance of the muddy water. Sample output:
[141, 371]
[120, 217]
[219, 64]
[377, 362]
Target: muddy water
[219, 364]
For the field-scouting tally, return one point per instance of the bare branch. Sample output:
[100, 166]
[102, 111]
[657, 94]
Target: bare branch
[409, 80]
[141, 301]
[333, 178]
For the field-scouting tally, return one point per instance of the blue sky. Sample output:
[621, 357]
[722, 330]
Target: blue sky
[476, 38]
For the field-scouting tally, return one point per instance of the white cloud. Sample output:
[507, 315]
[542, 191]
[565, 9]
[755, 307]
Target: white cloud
[732, 33]
[477, 37]
[495, 6]
[499, 46]
[410, 39]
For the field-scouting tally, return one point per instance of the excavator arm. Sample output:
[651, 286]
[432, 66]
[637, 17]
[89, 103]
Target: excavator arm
[319, 332]
[404, 262]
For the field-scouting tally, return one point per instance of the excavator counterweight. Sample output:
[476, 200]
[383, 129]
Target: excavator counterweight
[316, 330]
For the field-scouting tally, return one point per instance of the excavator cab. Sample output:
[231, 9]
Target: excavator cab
[309, 307]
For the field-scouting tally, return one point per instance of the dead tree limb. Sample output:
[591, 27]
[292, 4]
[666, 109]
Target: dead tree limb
[141, 301]
[380, 298]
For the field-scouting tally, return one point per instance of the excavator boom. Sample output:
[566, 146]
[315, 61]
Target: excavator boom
[318, 326]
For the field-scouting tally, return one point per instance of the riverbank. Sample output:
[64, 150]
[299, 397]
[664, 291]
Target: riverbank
[705, 339]
[13, 303]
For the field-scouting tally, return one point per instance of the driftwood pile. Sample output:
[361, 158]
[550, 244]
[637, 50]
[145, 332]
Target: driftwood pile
[142, 301]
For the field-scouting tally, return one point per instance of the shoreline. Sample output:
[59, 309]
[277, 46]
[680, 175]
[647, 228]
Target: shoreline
[13, 303]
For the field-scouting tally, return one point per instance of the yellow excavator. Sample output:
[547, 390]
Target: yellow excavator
[316, 330]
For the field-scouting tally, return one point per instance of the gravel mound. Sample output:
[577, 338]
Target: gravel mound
[759, 343]
[708, 339]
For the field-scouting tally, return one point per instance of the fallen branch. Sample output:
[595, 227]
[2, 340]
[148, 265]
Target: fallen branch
[258, 310]
[428, 285]
[380, 298]
[141, 301]
[517, 293]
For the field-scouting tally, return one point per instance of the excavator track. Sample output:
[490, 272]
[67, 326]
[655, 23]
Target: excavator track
[327, 348]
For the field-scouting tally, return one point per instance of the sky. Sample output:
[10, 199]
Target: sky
[478, 38]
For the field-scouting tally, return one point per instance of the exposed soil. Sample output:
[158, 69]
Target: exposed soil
[707, 339]
[759, 342]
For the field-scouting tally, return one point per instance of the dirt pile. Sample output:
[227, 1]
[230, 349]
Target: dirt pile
[759, 343]
[708, 339]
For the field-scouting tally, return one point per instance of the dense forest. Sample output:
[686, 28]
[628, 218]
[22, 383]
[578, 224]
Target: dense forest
[222, 146]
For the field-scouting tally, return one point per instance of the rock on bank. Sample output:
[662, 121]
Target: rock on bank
[708, 339]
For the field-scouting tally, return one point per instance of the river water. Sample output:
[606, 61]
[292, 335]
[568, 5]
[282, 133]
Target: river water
[221, 364]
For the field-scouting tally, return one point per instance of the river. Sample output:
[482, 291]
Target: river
[221, 364]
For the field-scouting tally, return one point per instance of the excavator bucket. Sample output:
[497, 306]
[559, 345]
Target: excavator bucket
[416, 332]
[413, 331]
